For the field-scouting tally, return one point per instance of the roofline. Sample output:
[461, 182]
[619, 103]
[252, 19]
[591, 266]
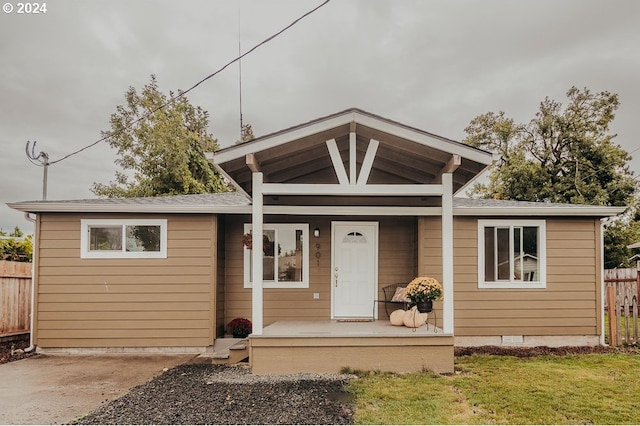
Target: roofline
[63, 207]
[569, 210]
[340, 119]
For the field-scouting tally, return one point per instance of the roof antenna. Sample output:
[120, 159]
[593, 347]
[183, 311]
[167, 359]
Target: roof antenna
[42, 160]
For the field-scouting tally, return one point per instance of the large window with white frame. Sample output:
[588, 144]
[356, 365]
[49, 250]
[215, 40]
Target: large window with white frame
[123, 238]
[512, 254]
[285, 255]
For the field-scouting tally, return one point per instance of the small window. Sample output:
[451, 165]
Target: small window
[125, 238]
[511, 254]
[285, 256]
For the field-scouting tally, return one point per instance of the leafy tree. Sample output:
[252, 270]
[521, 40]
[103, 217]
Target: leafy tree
[246, 134]
[161, 152]
[14, 247]
[565, 154]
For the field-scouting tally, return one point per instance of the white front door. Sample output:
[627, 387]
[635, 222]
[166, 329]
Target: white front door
[354, 269]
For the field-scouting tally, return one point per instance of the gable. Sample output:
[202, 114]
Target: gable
[352, 147]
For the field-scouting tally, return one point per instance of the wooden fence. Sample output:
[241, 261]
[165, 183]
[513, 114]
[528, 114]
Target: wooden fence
[621, 304]
[15, 298]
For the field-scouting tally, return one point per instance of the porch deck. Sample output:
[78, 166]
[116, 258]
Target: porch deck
[328, 346]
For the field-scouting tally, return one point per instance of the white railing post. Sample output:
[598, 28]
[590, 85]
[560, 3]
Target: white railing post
[447, 252]
[257, 226]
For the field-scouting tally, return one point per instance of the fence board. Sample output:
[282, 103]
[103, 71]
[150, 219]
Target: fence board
[15, 297]
[625, 283]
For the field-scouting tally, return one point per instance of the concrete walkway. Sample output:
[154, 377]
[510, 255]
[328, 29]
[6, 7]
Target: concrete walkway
[57, 389]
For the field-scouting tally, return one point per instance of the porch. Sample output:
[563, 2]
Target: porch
[327, 346]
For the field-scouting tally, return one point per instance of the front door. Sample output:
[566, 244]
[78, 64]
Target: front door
[354, 269]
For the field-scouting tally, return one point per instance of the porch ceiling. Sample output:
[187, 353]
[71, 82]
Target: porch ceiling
[300, 154]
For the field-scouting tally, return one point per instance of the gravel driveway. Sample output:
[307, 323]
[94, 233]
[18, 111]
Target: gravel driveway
[217, 394]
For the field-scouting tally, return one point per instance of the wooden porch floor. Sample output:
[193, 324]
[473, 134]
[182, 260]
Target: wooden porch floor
[329, 346]
[337, 328]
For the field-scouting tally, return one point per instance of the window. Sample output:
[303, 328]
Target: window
[123, 238]
[511, 254]
[285, 260]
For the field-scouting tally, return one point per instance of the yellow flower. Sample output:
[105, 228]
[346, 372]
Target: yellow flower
[423, 289]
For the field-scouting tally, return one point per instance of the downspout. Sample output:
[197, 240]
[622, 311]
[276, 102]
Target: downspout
[602, 288]
[33, 281]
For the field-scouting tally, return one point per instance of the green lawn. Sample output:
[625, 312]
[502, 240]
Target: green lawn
[578, 389]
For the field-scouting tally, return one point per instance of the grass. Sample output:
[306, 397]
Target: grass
[593, 388]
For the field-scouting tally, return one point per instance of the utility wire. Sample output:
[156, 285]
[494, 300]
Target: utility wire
[183, 93]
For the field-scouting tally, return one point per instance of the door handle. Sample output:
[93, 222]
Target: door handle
[336, 276]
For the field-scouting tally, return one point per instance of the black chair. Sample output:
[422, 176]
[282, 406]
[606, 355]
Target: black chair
[389, 304]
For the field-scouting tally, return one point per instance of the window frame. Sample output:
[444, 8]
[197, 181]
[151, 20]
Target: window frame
[511, 224]
[276, 227]
[86, 253]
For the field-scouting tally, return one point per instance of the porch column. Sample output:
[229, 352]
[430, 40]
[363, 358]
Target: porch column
[257, 220]
[447, 252]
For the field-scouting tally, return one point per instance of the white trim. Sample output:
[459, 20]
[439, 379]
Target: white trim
[352, 158]
[447, 253]
[546, 211]
[336, 159]
[367, 163]
[238, 151]
[233, 183]
[66, 207]
[376, 245]
[257, 220]
[86, 253]
[424, 139]
[304, 227]
[342, 189]
[542, 253]
[359, 117]
[353, 210]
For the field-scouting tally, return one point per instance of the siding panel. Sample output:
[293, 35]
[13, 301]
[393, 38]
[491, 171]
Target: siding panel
[569, 304]
[126, 302]
[396, 258]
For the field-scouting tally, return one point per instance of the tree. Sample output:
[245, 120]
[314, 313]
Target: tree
[246, 134]
[15, 247]
[161, 152]
[563, 155]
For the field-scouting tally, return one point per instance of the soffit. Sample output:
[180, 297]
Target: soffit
[300, 154]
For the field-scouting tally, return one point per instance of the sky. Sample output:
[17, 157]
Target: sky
[430, 64]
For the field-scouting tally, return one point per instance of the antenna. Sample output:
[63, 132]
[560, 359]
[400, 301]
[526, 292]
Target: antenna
[42, 160]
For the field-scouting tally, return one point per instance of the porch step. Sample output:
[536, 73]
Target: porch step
[224, 351]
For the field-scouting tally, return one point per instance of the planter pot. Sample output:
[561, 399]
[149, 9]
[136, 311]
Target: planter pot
[425, 306]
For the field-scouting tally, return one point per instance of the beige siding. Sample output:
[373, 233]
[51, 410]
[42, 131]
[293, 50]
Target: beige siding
[97, 303]
[397, 263]
[569, 304]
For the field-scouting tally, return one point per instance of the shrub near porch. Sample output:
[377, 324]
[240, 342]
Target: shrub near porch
[572, 389]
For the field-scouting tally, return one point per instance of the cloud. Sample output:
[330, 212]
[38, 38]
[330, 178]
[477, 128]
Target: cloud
[431, 64]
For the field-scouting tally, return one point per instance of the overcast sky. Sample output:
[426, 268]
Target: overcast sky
[434, 65]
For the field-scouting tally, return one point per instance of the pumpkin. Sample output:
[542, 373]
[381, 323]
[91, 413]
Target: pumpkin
[414, 319]
[397, 317]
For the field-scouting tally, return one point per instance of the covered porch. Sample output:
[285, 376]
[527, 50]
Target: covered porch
[328, 346]
[355, 169]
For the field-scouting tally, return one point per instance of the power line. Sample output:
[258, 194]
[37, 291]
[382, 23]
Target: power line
[183, 93]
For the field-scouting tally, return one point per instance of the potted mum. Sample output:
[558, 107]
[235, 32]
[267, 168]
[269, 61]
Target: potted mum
[239, 328]
[422, 291]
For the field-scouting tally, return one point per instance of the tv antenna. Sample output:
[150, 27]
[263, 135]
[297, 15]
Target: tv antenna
[42, 160]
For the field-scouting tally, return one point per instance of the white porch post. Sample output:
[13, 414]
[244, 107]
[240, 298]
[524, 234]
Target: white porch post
[447, 252]
[257, 220]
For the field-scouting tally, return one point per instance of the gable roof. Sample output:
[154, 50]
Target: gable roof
[301, 154]
[236, 203]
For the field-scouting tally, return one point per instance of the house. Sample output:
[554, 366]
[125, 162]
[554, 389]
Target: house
[347, 204]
